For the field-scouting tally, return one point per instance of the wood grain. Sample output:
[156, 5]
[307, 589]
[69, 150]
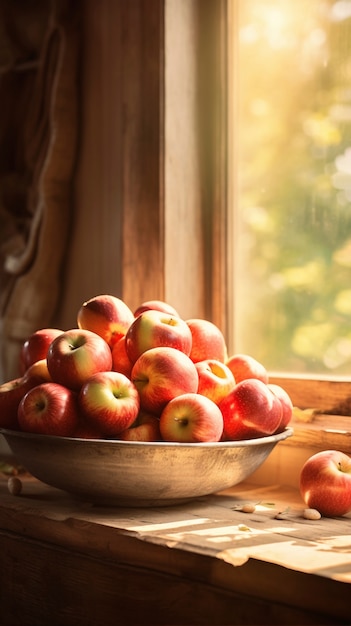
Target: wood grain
[201, 563]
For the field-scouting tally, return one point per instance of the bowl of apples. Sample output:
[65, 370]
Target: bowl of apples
[140, 408]
[135, 473]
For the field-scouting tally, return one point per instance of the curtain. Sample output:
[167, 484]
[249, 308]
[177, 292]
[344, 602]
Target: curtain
[39, 64]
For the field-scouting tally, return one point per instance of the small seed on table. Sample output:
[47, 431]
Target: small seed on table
[311, 514]
[14, 485]
[248, 508]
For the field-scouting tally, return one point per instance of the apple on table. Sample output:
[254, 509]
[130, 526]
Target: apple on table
[325, 483]
[76, 355]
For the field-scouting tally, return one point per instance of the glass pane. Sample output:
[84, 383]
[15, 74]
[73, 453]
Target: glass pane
[293, 249]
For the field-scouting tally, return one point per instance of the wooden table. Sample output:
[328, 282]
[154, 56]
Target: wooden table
[67, 562]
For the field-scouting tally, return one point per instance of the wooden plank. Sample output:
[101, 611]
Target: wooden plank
[208, 541]
[85, 590]
[141, 50]
[325, 396]
[321, 433]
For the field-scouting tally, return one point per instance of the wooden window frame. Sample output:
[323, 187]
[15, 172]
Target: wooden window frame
[151, 161]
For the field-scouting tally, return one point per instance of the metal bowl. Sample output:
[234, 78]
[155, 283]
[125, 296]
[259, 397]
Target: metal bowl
[125, 473]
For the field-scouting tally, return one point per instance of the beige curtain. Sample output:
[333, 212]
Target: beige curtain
[39, 52]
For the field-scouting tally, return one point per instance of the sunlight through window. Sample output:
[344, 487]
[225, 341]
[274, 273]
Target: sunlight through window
[292, 296]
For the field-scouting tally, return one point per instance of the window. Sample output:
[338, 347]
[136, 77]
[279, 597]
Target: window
[289, 123]
[293, 231]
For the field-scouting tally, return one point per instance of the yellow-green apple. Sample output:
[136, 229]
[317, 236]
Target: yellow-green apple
[109, 401]
[191, 418]
[325, 482]
[153, 329]
[156, 305]
[162, 373]
[107, 316]
[36, 346]
[244, 366]
[215, 379]
[11, 394]
[287, 405]
[250, 410]
[38, 372]
[145, 428]
[120, 359]
[77, 354]
[49, 409]
[208, 341]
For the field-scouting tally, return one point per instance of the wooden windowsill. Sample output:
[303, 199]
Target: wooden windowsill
[208, 562]
[321, 431]
[322, 413]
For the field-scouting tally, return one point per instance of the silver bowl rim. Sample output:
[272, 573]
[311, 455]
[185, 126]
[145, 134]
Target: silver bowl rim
[237, 443]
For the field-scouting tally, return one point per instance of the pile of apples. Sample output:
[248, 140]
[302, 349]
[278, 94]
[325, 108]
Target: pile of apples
[147, 375]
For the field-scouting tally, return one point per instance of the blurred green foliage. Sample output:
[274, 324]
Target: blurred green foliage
[292, 281]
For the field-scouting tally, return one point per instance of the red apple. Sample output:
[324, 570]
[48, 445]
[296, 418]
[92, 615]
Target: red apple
[244, 366]
[215, 379]
[110, 402]
[145, 428]
[120, 359]
[11, 394]
[107, 316]
[207, 341]
[85, 430]
[191, 418]
[325, 483]
[250, 410]
[49, 409]
[161, 374]
[287, 405]
[76, 355]
[36, 346]
[153, 329]
[155, 305]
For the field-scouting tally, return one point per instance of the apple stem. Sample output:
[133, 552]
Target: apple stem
[182, 420]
